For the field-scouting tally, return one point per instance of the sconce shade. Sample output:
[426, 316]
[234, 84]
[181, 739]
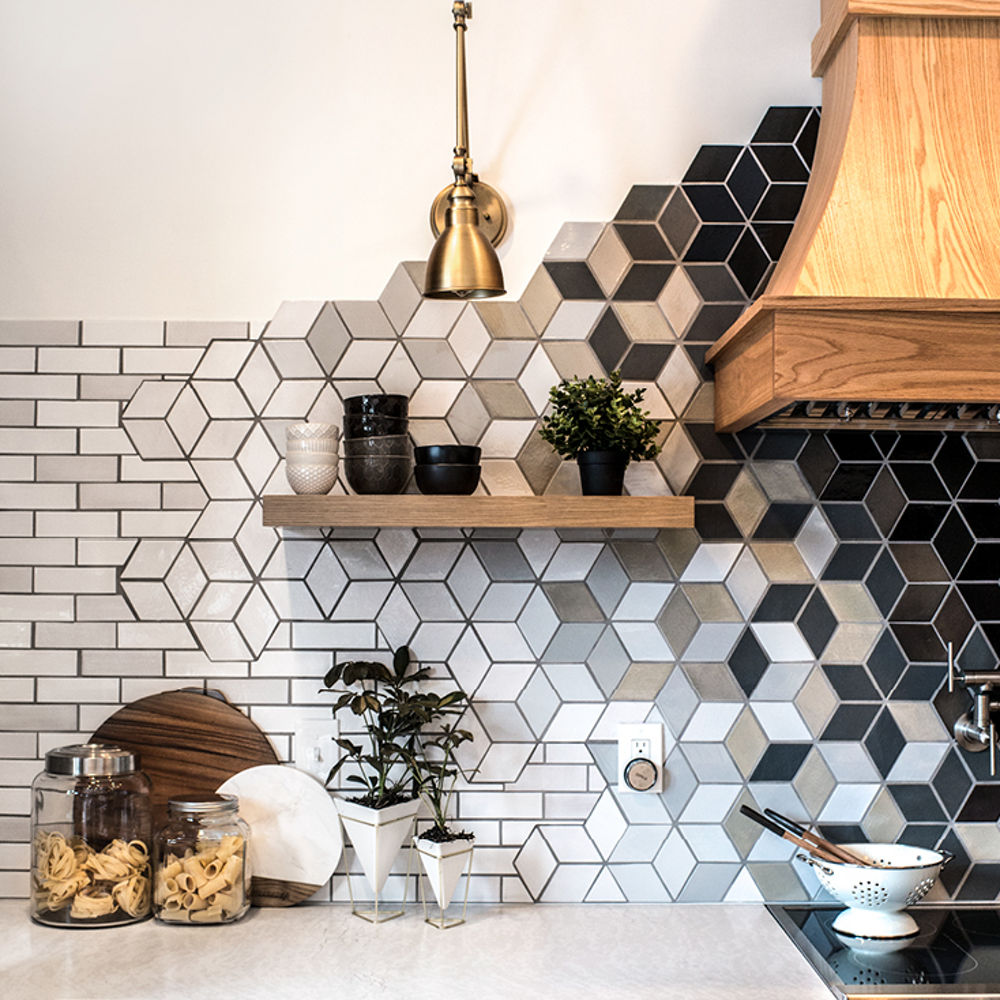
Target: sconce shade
[462, 263]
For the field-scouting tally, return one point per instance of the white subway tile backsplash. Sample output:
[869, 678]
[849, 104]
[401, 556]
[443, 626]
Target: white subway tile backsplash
[38, 662]
[78, 689]
[41, 387]
[16, 689]
[160, 360]
[104, 441]
[77, 413]
[77, 580]
[38, 496]
[122, 332]
[37, 441]
[17, 359]
[121, 663]
[155, 635]
[76, 468]
[30, 607]
[17, 745]
[39, 331]
[119, 496]
[79, 524]
[32, 718]
[79, 361]
[75, 635]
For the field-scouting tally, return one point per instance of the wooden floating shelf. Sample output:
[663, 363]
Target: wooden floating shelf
[418, 511]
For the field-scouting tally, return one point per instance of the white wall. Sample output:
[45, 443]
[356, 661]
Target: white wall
[209, 158]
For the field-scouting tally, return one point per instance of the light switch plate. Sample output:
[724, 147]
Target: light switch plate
[641, 740]
[313, 746]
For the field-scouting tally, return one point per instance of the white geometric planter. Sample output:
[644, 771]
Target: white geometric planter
[377, 835]
[445, 863]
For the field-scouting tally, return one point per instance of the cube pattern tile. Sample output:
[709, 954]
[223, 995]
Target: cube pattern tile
[791, 644]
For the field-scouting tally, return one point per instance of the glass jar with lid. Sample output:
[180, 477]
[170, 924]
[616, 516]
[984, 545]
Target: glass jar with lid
[201, 873]
[90, 838]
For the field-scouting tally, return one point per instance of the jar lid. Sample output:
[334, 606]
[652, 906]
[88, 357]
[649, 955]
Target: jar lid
[210, 802]
[91, 760]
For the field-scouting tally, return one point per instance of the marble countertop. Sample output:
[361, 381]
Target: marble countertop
[684, 952]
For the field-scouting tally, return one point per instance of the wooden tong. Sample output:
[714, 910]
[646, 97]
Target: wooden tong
[789, 830]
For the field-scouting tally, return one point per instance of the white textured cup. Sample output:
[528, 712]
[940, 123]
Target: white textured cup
[310, 431]
[301, 447]
[303, 458]
[311, 478]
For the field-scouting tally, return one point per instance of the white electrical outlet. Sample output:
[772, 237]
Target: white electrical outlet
[313, 746]
[640, 757]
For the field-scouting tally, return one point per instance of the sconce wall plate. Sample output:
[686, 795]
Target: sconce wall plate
[492, 211]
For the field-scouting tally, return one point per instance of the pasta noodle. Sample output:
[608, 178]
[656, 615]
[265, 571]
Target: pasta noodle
[92, 883]
[204, 887]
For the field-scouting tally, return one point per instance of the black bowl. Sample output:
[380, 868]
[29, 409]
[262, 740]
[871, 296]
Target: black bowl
[378, 404]
[358, 425]
[384, 444]
[447, 454]
[458, 480]
[378, 473]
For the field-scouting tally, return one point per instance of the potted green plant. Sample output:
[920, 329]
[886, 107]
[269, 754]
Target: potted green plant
[603, 427]
[444, 852]
[392, 711]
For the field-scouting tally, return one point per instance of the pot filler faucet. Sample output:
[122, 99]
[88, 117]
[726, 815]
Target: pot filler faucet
[975, 730]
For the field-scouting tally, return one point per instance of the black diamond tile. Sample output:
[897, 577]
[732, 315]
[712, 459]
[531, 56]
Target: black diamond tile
[922, 835]
[950, 706]
[713, 203]
[842, 833]
[817, 462]
[781, 124]
[747, 182]
[851, 521]
[885, 501]
[917, 446]
[851, 682]
[503, 560]
[919, 481]
[713, 242]
[885, 583]
[851, 561]
[643, 283]
[817, 623]
[952, 874]
[643, 241]
[574, 280]
[983, 482]
[781, 162]
[953, 621]
[850, 482]
[712, 445]
[953, 543]
[609, 341]
[715, 282]
[920, 682]
[919, 522]
[714, 481]
[780, 446]
[918, 642]
[885, 743]
[982, 517]
[954, 462]
[886, 663]
[983, 564]
[917, 802]
[773, 236]
[712, 163]
[748, 663]
[781, 762]
[782, 602]
[782, 521]
[984, 446]
[952, 782]
[806, 142]
[982, 599]
[982, 805]
[849, 722]
[780, 203]
[696, 354]
[749, 438]
[714, 523]
[919, 563]
[643, 362]
[749, 263]
[712, 322]
[885, 441]
[977, 654]
[644, 202]
[992, 632]
[678, 221]
[854, 446]
[982, 882]
[919, 602]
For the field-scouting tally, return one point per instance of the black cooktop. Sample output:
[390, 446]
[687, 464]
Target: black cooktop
[956, 953]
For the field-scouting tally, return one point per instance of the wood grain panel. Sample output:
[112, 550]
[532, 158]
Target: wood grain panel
[744, 381]
[415, 511]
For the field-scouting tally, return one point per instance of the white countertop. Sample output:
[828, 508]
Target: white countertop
[675, 952]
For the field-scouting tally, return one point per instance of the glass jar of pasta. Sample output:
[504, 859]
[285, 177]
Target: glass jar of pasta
[90, 838]
[201, 874]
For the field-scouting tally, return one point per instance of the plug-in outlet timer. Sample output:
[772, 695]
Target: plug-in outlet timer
[640, 757]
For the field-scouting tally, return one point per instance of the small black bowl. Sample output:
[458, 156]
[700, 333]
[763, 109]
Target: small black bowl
[378, 403]
[458, 480]
[447, 454]
[357, 425]
[378, 473]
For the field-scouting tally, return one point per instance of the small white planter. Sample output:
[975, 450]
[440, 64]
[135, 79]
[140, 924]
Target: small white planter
[444, 864]
[377, 835]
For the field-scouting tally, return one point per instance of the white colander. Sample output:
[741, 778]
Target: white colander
[876, 897]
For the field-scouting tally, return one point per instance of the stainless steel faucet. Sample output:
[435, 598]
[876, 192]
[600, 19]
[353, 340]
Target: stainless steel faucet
[976, 730]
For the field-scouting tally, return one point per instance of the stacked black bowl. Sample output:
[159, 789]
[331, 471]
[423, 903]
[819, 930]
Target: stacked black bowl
[378, 455]
[447, 468]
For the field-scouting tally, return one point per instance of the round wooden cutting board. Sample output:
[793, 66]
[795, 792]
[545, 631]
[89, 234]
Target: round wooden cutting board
[187, 742]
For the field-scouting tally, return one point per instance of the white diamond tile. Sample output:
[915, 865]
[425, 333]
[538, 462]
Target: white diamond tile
[538, 702]
[503, 721]
[400, 298]
[366, 320]
[575, 241]
[399, 374]
[710, 803]
[616, 713]
[644, 479]
[468, 581]
[364, 359]
[397, 620]
[538, 622]
[363, 599]
[572, 561]
[187, 419]
[643, 641]
[708, 842]
[433, 602]
[815, 542]
[570, 883]
[293, 359]
[538, 546]
[573, 723]
[504, 359]
[186, 580]
[221, 640]
[573, 319]
[503, 762]
[746, 583]
[150, 600]
[711, 721]
[222, 400]
[434, 397]
[223, 359]
[293, 320]
[469, 662]
[151, 559]
[221, 560]
[220, 601]
[222, 439]
[221, 519]
[396, 546]
[152, 439]
[675, 862]
[780, 720]
[222, 480]
[713, 642]
[503, 641]
[781, 641]
[503, 477]
[918, 762]
[538, 377]
[640, 883]
[643, 601]
[257, 458]
[255, 541]
[678, 459]
[292, 600]
[505, 438]
[436, 640]
[679, 301]
[258, 379]
[570, 843]
[257, 620]
[744, 889]
[848, 761]
[469, 339]
[848, 803]
[504, 682]
[503, 602]
[712, 562]
[153, 399]
[434, 318]
[605, 889]
[640, 843]
[573, 682]
[535, 863]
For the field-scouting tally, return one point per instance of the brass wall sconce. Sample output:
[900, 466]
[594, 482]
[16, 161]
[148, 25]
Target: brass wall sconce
[468, 218]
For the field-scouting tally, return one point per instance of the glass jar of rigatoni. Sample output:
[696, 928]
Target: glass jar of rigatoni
[201, 874]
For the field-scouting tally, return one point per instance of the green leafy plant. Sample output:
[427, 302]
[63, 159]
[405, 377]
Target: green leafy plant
[393, 712]
[594, 414]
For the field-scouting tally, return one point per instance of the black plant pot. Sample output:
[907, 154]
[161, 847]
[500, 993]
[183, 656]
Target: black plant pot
[602, 473]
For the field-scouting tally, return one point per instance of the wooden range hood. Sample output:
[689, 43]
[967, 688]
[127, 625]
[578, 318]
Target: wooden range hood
[888, 290]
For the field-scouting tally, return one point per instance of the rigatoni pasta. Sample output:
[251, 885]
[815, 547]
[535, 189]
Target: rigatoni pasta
[206, 885]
